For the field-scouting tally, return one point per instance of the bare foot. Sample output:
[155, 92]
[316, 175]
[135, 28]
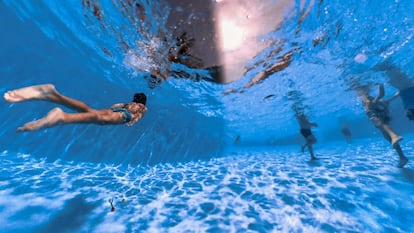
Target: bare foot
[396, 140]
[51, 119]
[402, 162]
[39, 92]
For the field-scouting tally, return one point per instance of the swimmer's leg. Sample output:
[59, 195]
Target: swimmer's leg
[310, 148]
[46, 92]
[39, 92]
[403, 160]
[57, 116]
[53, 118]
[393, 136]
[302, 148]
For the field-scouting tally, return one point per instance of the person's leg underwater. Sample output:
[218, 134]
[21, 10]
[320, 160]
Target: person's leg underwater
[45, 92]
[38, 92]
[402, 159]
[310, 141]
[50, 120]
[57, 116]
[310, 148]
[302, 148]
[394, 137]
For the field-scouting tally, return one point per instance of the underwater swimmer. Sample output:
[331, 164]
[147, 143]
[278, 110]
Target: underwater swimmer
[377, 111]
[127, 114]
[111, 202]
[396, 78]
[305, 130]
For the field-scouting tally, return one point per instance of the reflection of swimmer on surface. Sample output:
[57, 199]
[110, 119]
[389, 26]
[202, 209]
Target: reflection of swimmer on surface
[282, 63]
[179, 53]
[305, 130]
[127, 114]
[161, 49]
[378, 112]
[97, 12]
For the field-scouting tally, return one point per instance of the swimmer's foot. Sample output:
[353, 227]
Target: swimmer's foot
[51, 119]
[313, 158]
[39, 92]
[402, 162]
[396, 140]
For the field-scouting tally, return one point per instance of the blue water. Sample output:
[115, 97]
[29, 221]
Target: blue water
[177, 170]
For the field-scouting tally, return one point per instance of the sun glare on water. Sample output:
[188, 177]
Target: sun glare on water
[232, 35]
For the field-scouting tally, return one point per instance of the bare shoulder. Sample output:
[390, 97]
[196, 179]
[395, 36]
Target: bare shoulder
[137, 108]
[143, 108]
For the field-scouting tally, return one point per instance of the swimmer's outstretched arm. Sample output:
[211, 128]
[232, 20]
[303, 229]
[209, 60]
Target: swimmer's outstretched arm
[381, 92]
[133, 121]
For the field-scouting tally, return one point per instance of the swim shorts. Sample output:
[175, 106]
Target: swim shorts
[305, 132]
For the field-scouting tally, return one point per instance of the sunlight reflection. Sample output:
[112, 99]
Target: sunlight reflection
[240, 26]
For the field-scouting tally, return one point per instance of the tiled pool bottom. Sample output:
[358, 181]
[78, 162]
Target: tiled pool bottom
[352, 188]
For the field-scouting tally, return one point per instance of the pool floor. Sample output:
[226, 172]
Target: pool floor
[351, 188]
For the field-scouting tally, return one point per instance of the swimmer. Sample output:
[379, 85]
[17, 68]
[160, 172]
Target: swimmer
[237, 140]
[120, 113]
[111, 202]
[378, 112]
[305, 130]
[401, 81]
[396, 78]
[347, 133]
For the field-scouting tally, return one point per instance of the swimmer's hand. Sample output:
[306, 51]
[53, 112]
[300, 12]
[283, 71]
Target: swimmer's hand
[132, 122]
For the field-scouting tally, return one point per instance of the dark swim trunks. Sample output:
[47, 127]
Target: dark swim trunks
[377, 116]
[305, 132]
[126, 115]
